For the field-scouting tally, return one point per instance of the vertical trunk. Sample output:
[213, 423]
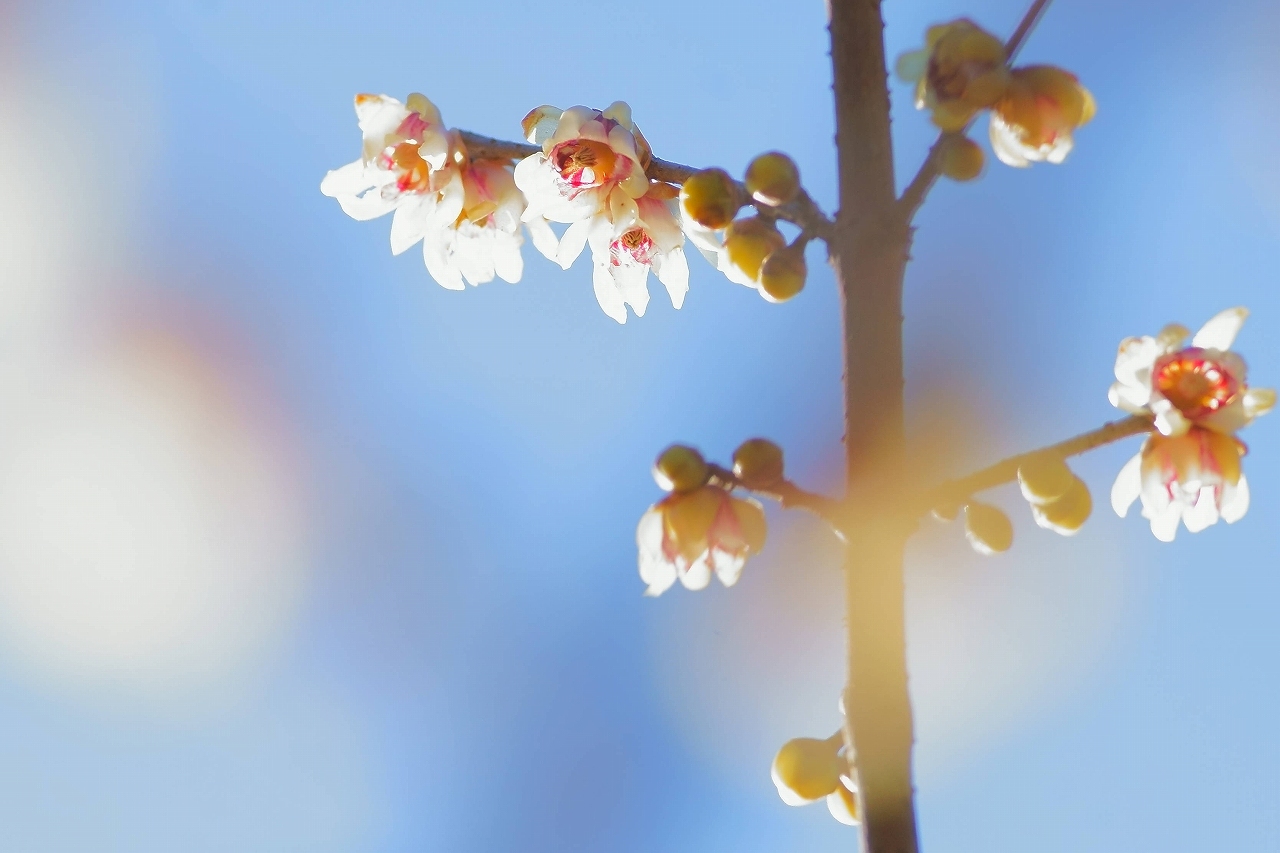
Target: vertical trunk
[868, 253]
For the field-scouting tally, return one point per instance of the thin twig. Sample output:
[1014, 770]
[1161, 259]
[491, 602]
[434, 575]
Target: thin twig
[914, 195]
[958, 491]
[789, 495]
[803, 211]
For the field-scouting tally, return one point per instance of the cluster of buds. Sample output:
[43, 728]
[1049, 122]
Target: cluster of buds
[1059, 501]
[699, 529]
[963, 70]
[1189, 470]
[806, 770]
[749, 250]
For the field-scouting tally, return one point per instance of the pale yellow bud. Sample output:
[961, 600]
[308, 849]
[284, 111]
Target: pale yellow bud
[783, 273]
[1044, 477]
[1068, 513]
[961, 158]
[710, 198]
[843, 804]
[987, 528]
[680, 469]
[749, 241]
[773, 179]
[806, 769]
[757, 463]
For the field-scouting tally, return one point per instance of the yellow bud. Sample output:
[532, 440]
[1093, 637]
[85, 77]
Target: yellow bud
[1067, 514]
[961, 158]
[806, 770]
[843, 804]
[749, 241]
[710, 198]
[987, 528]
[680, 469]
[752, 523]
[757, 463]
[783, 273]
[773, 179]
[1044, 477]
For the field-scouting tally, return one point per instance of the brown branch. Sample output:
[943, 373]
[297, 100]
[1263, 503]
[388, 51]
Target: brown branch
[956, 492]
[916, 192]
[789, 496]
[803, 212]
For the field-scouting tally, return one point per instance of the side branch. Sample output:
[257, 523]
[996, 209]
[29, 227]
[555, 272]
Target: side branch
[789, 496]
[803, 212]
[958, 491]
[914, 195]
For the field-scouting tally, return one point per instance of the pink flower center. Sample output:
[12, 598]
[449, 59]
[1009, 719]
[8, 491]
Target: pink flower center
[1195, 383]
[413, 128]
[634, 246]
[413, 175]
[584, 163]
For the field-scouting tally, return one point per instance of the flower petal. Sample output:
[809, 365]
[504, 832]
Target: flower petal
[347, 180]
[1128, 486]
[436, 254]
[673, 272]
[1235, 501]
[572, 243]
[607, 294]
[1220, 332]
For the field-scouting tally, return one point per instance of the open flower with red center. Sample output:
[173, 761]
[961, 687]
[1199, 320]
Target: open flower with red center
[637, 236]
[590, 160]
[1184, 386]
[961, 69]
[1193, 478]
[1036, 117]
[405, 166]
[484, 240]
[689, 535]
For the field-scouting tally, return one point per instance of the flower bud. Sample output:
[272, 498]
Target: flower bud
[987, 528]
[773, 179]
[806, 770]
[843, 803]
[1044, 477]
[961, 157]
[749, 241]
[947, 511]
[757, 463]
[680, 469]
[783, 273]
[710, 198]
[1067, 514]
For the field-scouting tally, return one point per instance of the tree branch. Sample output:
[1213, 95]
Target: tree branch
[916, 192]
[803, 212]
[956, 492]
[789, 496]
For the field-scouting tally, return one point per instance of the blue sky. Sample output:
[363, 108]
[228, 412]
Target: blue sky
[419, 626]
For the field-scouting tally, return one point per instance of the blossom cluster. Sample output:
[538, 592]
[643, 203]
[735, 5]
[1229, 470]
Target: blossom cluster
[471, 214]
[1189, 470]
[963, 70]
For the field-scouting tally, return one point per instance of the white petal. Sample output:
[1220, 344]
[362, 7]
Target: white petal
[1259, 401]
[1235, 501]
[697, 576]
[1127, 487]
[572, 243]
[348, 180]
[1220, 332]
[410, 223]
[1204, 513]
[728, 567]
[1169, 420]
[607, 294]
[673, 272]
[1006, 145]
[1164, 524]
[371, 205]
[508, 263]
[436, 254]
[911, 66]
[1130, 398]
[632, 282]
[544, 239]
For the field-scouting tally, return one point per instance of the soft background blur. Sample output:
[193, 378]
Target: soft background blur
[301, 552]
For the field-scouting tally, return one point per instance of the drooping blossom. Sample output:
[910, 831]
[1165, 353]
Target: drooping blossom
[485, 239]
[405, 166]
[1036, 117]
[961, 69]
[689, 535]
[636, 237]
[1203, 384]
[590, 159]
[1193, 477]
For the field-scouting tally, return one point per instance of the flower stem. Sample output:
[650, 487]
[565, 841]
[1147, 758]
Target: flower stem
[958, 491]
[916, 192]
